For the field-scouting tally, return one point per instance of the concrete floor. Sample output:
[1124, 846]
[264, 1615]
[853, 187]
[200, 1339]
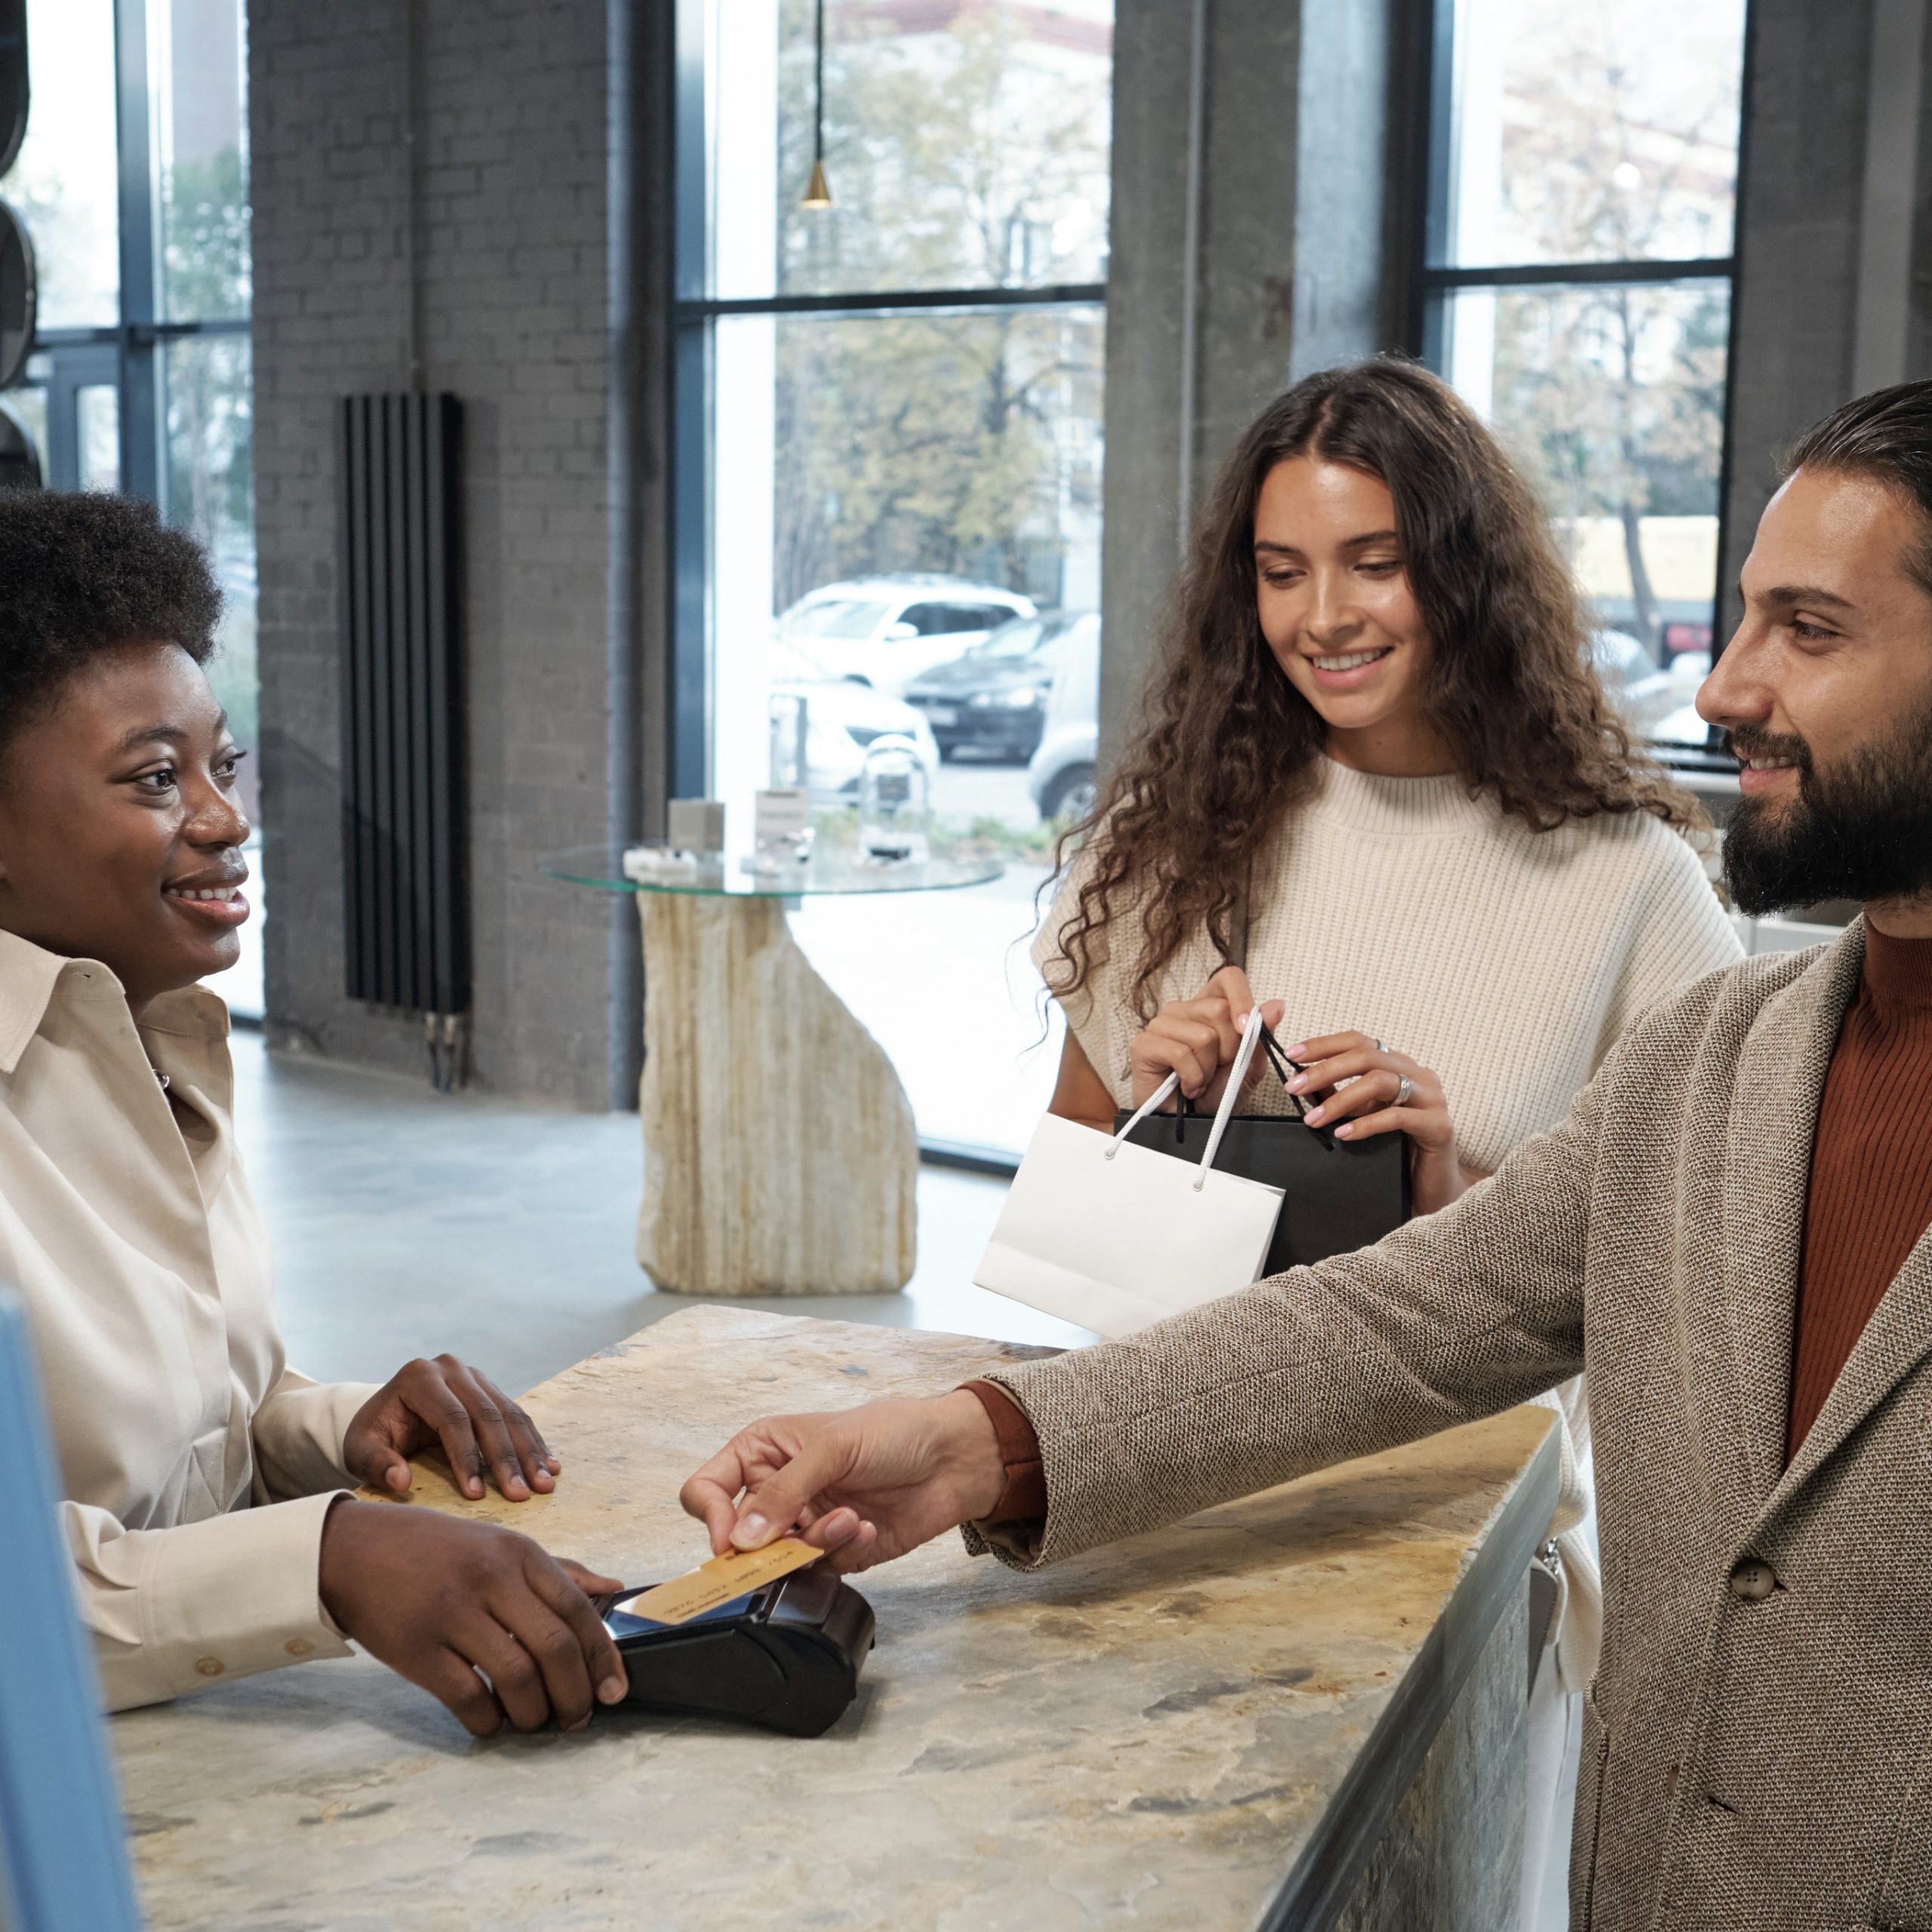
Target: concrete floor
[405, 1223]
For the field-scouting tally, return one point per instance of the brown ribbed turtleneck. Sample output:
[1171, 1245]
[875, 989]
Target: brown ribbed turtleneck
[1871, 1191]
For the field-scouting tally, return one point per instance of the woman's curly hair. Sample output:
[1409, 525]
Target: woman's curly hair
[1226, 746]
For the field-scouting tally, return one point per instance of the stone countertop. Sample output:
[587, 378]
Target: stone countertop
[1153, 1732]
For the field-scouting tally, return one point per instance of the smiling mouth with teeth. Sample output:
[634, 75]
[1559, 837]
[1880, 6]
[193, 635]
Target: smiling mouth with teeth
[1352, 660]
[222, 892]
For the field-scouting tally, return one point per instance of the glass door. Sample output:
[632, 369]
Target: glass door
[1581, 253]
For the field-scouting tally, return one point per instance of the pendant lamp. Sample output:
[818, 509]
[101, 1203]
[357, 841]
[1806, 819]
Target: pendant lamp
[818, 191]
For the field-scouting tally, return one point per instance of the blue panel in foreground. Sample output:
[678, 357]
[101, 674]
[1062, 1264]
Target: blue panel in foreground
[63, 1861]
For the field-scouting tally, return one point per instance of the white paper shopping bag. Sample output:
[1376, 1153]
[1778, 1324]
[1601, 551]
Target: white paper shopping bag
[1112, 1236]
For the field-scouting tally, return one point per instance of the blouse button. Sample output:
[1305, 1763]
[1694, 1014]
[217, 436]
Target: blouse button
[299, 1647]
[209, 1666]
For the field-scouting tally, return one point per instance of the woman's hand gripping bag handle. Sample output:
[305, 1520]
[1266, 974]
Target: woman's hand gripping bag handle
[1111, 1236]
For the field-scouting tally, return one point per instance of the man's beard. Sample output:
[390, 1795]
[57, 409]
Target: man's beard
[1861, 830]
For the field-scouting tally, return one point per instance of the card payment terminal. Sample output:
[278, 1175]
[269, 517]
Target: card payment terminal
[786, 1656]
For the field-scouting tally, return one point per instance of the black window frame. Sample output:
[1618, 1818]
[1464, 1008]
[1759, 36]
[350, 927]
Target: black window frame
[1436, 282]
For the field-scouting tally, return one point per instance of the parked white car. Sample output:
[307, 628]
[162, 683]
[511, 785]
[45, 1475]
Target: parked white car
[1061, 777]
[1683, 726]
[1633, 680]
[883, 631]
[842, 719]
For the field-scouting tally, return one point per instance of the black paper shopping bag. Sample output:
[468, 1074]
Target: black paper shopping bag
[1337, 1195]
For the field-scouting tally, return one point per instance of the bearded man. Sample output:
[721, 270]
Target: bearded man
[1729, 1234]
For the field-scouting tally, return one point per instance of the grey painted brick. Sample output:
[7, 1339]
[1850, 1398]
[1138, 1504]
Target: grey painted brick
[510, 203]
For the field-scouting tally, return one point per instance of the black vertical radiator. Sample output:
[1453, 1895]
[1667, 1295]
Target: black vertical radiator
[405, 895]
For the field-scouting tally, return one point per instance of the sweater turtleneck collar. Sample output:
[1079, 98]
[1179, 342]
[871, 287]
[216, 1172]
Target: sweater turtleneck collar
[1413, 807]
[1898, 971]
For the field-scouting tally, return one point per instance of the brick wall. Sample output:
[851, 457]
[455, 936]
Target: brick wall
[502, 212]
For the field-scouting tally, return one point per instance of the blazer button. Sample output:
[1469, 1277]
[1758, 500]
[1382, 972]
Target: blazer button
[1753, 1580]
[209, 1666]
[299, 1647]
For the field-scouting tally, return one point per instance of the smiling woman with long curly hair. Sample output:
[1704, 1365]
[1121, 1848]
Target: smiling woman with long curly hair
[1229, 742]
[1376, 782]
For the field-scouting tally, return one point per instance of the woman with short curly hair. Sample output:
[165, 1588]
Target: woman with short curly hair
[206, 1493]
[1376, 782]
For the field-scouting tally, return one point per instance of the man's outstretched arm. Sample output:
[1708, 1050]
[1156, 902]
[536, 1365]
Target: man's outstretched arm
[1453, 1316]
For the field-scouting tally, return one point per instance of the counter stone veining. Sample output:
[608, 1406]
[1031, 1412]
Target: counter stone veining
[1146, 1734]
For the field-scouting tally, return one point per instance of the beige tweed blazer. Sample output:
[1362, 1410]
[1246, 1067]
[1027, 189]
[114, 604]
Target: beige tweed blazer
[1757, 1751]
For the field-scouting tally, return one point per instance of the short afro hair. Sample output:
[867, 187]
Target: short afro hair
[82, 573]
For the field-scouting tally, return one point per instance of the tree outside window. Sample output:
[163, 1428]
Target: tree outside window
[1580, 271]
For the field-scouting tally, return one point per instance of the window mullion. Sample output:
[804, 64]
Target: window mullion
[878, 303]
[141, 469]
[1581, 274]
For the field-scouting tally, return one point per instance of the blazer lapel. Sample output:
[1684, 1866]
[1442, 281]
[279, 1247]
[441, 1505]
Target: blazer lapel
[1780, 1083]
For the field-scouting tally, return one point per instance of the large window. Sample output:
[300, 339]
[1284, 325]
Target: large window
[889, 469]
[1579, 277]
[133, 182]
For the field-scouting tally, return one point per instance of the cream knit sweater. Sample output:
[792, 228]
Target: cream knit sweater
[1508, 961]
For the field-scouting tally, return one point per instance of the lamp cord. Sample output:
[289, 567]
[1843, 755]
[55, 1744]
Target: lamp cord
[818, 81]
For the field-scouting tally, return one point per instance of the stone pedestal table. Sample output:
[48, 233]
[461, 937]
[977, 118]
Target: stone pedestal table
[779, 1152]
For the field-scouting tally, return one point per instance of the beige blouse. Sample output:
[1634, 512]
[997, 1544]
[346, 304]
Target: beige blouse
[197, 1466]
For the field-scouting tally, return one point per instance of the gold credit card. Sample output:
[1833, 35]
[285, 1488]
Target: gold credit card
[720, 1579]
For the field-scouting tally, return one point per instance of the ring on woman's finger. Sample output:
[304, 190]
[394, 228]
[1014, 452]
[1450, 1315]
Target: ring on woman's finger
[1402, 1092]
[1379, 1047]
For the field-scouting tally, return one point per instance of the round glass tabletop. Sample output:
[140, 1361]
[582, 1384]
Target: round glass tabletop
[833, 867]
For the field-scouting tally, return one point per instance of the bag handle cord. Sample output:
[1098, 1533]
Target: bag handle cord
[1237, 1080]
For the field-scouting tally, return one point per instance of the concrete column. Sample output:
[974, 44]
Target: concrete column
[1249, 178]
[1805, 195]
[1894, 102]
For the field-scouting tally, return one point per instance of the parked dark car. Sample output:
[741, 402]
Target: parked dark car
[993, 700]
